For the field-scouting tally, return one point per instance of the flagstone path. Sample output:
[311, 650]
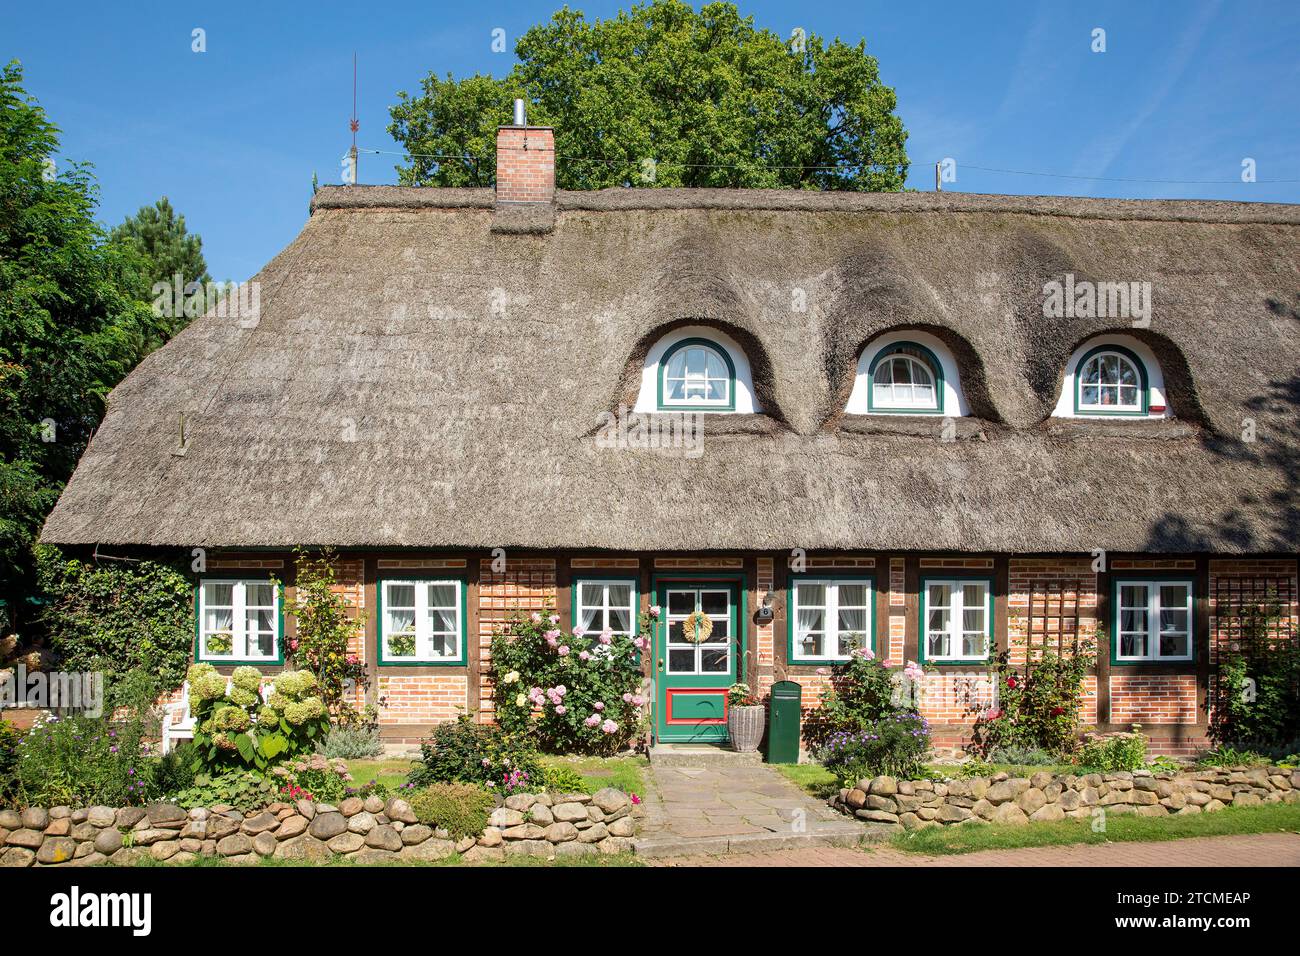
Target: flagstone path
[713, 809]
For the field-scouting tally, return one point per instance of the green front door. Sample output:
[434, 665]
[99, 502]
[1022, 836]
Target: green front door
[692, 678]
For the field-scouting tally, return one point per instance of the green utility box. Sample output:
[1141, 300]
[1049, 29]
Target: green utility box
[783, 734]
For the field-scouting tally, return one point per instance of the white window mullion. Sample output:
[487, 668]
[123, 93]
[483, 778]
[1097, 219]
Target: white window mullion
[239, 624]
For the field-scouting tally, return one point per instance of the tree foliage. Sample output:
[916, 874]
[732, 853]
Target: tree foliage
[70, 324]
[159, 237]
[665, 96]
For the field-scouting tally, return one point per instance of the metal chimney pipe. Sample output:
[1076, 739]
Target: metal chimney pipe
[521, 118]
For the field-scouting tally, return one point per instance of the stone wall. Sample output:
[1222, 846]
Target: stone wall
[1044, 797]
[365, 831]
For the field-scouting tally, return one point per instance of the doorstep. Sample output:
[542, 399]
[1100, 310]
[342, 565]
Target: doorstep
[701, 755]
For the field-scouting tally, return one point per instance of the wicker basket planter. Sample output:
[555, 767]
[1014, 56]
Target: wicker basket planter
[745, 725]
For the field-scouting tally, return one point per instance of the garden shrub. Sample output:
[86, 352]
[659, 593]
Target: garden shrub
[354, 741]
[314, 778]
[1223, 756]
[235, 730]
[1022, 756]
[323, 629]
[10, 737]
[863, 690]
[1256, 703]
[371, 788]
[1037, 704]
[1111, 752]
[175, 769]
[563, 780]
[893, 746]
[118, 618]
[80, 761]
[245, 790]
[462, 751]
[459, 808]
[576, 693]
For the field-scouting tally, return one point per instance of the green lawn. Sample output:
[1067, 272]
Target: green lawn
[812, 777]
[390, 771]
[625, 773]
[968, 838]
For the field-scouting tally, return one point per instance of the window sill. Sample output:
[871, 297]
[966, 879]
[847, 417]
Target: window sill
[459, 662]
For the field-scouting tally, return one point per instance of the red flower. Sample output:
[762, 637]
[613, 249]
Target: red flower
[1011, 682]
[1057, 711]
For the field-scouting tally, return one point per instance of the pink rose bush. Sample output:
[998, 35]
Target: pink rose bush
[584, 692]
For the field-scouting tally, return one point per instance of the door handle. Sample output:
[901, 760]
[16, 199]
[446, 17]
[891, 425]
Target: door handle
[661, 663]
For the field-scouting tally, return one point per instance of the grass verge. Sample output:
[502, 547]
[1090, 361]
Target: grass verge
[625, 773]
[1126, 828]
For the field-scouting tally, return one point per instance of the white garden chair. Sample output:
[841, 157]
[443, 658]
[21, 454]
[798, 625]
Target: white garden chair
[178, 722]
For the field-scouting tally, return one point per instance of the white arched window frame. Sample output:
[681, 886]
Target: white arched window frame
[1112, 376]
[922, 353]
[696, 374]
[741, 399]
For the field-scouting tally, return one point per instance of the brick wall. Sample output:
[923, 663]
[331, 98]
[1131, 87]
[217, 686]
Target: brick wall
[523, 585]
[1153, 699]
[422, 697]
[525, 164]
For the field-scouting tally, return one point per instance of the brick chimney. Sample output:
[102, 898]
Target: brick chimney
[525, 161]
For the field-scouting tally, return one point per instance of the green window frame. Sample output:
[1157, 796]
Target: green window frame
[956, 614]
[914, 352]
[665, 404]
[433, 639]
[595, 593]
[832, 606]
[1145, 616]
[1143, 387]
[212, 625]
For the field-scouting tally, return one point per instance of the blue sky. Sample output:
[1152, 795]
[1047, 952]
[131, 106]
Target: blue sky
[1184, 91]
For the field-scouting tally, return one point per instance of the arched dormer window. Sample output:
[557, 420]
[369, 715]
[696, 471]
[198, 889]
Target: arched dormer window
[906, 377]
[695, 374]
[908, 372]
[1112, 376]
[1111, 381]
[698, 369]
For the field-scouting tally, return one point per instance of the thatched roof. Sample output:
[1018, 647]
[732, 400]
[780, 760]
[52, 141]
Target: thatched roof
[429, 374]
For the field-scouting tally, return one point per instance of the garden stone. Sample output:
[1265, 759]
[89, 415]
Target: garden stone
[326, 808]
[884, 786]
[306, 808]
[482, 854]
[924, 785]
[875, 802]
[1144, 783]
[1040, 780]
[907, 803]
[17, 856]
[1069, 800]
[219, 808]
[634, 810]
[622, 827]
[305, 847]
[959, 788]
[941, 790]
[1143, 798]
[362, 822]
[234, 845]
[1011, 814]
[910, 821]
[12, 820]
[952, 814]
[1246, 799]
[108, 841]
[61, 826]
[595, 814]
[608, 799]
[857, 799]
[150, 836]
[242, 859]
[877, 816]
[525, 831]
[373, 804]
[326, 825]
[90, 859]
[1152, 810]
[1052, 792]
[1049, 812]
[906, 787]
[291, 827]
[1031, 800]
[399, 809]
[541, 814]
[352, 806]
[561, 832]
[286, 814]
[978, 787]
[583, 798]
[191, 847]
[264, 844]
[199, 813]
[218, 826]
[520, 801]
[982, 809]
[260, 823]
[384, 838]
[209, 847]
[528, 848]
[1000, 792]
[1089, 796]
[575, 849]
[195, 830]
[83, 831]
[616, 845]
[36, 818]
[569, 811]
[347, 843]
[441, 834]
[593, 834]
[505, 817]
[416, 834]
[165, 849]
[60, 813]
[434, 850]
[398, 825]
[165, 816]
[371, 856]
[491, 836]
[545, 800]
[56, 850]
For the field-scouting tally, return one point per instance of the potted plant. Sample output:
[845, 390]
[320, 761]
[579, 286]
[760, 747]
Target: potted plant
[746, 718]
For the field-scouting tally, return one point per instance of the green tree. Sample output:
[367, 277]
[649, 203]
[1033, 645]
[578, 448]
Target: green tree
[158, 235]
[665, 96]
[70, 325]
